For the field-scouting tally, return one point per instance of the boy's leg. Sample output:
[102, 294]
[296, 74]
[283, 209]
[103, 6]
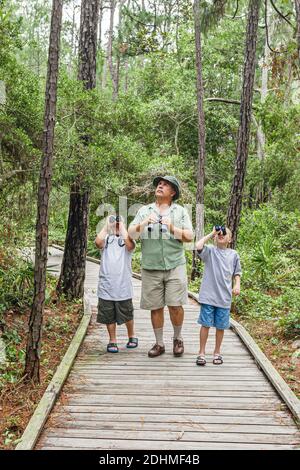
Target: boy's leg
[111, 328]
[107, 315]
[132, 340]
[206, 320]
[222, 322]
[203, 339]
[112, 345]
[130, 328]
[219, 339]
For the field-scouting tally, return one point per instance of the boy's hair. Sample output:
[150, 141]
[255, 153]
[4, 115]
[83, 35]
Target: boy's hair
[229, 233]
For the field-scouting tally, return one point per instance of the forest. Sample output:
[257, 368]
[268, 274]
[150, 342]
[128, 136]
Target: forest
[208, 91]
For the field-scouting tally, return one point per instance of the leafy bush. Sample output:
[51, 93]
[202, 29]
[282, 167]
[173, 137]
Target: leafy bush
[16, 280]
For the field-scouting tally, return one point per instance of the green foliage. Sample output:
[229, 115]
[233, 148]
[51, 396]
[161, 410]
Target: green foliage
[270, 254]
[9, 33]
[116, 147]
[16, 280]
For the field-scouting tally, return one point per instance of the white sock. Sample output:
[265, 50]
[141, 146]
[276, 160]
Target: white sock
[177, 332]
[159, 336]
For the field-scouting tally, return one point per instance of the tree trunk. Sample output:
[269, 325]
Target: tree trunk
[201, 134]
[297, 6]
[101, 8]
[261, 138]
[114, 69]
[113, 4]
[99, 47]
[235, 206]
[88, 43]
[32, 363]
[73, 34]
[72, 276]
[264, 81]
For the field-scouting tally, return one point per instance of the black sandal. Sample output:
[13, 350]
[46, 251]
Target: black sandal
[132, 343]
[217, 360]
[201, 361]
[112, 348]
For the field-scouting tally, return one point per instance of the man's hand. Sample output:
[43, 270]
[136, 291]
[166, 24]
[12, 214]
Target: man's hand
[151, 219]
[167, 221]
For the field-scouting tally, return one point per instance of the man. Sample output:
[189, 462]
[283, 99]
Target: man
[163, 227]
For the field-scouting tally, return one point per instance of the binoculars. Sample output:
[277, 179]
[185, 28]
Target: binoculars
[163, 227]
[221, 228]
[114, 218]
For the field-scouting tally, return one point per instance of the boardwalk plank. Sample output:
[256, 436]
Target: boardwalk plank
[179, 435]
[266, 421]
[113, 444]
[178, 426]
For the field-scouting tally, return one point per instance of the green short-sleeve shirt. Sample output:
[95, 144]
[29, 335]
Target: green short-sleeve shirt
[161, 251]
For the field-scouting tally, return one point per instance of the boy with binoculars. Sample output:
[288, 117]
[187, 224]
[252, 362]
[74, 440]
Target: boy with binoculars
[222, 267]
[115, 289]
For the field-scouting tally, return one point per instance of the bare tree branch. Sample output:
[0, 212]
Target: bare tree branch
[236, 10]
[280, 14]
[267, 32]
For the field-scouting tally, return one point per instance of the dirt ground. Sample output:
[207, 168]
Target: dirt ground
[279, 350]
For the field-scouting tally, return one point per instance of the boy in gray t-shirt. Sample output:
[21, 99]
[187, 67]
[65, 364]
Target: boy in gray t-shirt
[222, 265]
[115, 281]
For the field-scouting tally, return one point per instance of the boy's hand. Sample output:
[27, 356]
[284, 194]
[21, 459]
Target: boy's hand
[110, 225]
[214, 233]
[236, 290]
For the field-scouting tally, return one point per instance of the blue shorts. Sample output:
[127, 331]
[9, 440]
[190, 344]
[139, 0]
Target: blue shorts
[214, 316]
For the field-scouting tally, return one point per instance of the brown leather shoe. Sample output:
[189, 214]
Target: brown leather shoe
[178, 348]
[156, 350]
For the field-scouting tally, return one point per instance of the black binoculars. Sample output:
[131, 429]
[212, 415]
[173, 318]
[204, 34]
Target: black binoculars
[163, 227]
[114, 218]
[221, 228]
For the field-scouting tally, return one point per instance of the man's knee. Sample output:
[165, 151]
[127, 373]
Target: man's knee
[157, 312]
[175, 309]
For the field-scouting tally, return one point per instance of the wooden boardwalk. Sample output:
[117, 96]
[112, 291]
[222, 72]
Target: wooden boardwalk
[128, 401]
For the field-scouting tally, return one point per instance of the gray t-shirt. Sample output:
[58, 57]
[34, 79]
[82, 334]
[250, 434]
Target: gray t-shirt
[220, 267]
[115, 273]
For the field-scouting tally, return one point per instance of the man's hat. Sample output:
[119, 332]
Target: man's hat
[170, 179]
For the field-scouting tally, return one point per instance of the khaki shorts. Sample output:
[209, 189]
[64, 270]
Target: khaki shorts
[160, 288]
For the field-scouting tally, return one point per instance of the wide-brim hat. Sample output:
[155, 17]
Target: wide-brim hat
[170, 179]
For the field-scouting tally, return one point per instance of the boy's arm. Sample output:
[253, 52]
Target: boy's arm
[236, 284]
[100, 238]
[200, 243]
[129, 243]
[237, 276]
